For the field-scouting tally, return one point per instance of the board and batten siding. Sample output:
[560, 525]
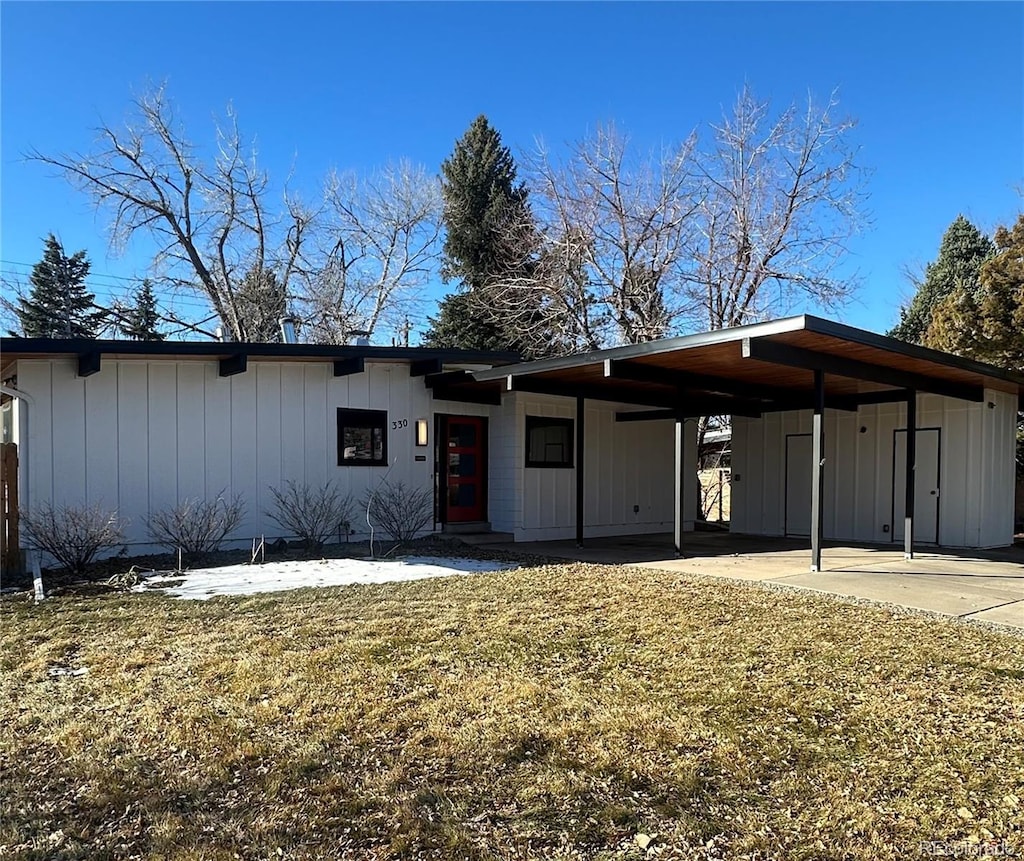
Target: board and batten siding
[141, 435]
[976, 470]
[626, 464]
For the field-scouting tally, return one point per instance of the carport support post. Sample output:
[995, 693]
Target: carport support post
[817, 467]
[680, 484]
[580, 494]
[911, 464]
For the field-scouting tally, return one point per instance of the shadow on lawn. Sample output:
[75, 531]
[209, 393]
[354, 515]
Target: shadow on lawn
[336, 806]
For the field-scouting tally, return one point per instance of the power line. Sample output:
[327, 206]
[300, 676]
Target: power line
[108, 289]
[26, 269]
[92, 274]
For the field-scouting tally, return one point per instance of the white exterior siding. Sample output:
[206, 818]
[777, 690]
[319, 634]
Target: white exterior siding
[141, 435]
[626, 464]
[975, 470]
[998, 476]
[504, 478]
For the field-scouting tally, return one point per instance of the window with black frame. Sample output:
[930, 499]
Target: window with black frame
[362, 437]
[549, 442]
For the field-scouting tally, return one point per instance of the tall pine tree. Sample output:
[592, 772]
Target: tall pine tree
[139, 320]
[461, 322]
[481, 200]
[261, 301]
[485, 207]
[59, 305]
[963, 250]
[987, 323]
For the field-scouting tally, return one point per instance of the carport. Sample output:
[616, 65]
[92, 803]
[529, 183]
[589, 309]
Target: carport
[798, 363]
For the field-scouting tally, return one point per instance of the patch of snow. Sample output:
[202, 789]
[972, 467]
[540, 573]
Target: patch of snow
[204, 583]
[67, 671]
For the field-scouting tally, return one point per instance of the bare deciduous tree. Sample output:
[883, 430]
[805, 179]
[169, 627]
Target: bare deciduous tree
[379, 244]
[612, 229]
[630, 248]
[211, 220]
[542, 291]
[636, 209]
[353, 261]
[780, 198]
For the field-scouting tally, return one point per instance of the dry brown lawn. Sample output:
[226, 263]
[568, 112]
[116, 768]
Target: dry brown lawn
[565, 711]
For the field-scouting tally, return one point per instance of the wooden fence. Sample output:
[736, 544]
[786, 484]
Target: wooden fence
[10, 547]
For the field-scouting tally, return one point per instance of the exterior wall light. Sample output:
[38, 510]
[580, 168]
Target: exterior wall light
[421, 432]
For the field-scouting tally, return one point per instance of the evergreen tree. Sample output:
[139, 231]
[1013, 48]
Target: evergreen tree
[482, 201]
[963, 250]
[139, 320]
[261, 301]
[488, 221]
[59, 305]
[987, 323]
[461, 322]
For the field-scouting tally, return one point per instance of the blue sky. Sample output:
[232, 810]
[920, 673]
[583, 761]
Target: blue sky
[938, 90]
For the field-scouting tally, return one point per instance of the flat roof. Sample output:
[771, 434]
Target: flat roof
[758, 367]
[15, 347]
[746, 370]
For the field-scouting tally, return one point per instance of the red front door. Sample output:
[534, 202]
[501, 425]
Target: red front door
[464, 464]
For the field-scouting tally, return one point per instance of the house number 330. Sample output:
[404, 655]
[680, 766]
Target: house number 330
[401, 423]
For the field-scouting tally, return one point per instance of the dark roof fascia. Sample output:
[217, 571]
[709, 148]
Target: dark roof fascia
[821, 326]
[804, 322]
[649, 348]
[77, 346]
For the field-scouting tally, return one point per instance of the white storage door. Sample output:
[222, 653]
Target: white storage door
[798, 485]
[926, 486]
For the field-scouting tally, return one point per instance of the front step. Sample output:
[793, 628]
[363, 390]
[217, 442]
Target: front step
[474, 527]
[480, 539]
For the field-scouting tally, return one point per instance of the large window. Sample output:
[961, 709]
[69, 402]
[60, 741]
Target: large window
[362, 437]
[548, 442]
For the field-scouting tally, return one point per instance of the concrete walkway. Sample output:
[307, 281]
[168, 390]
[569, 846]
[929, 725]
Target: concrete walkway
[984, 585]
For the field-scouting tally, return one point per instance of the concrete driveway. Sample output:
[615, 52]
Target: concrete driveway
[983, 585]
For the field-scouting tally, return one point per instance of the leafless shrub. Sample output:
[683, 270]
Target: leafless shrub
[311, 513]
[402, 512]
[197, 526]
[72, 534]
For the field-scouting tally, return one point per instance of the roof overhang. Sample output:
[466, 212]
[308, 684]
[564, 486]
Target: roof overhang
[748, 370]
[234, 356]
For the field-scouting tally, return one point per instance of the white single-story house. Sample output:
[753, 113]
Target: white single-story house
[837, 433]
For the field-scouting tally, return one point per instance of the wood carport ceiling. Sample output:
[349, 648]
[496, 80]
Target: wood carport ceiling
[748, 371]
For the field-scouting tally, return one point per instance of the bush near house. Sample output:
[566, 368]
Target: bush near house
[402, 512]
[196, 526]
[564, 711]
[72, 534]
[311, 513]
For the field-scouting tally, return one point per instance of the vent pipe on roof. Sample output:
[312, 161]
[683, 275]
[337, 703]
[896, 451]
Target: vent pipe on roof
[360, 337]
[288, 330]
